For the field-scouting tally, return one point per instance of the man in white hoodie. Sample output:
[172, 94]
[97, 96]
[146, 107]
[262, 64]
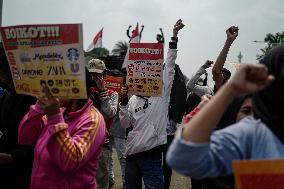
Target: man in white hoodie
[148, 118]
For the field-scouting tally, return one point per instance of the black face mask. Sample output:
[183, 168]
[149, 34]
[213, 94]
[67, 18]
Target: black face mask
[268, 104]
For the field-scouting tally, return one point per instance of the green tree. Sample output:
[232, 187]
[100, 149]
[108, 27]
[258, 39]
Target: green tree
[271, 41]
[97, 53]
[120, 48]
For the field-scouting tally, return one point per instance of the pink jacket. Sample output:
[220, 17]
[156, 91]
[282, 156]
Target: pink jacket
[66, 151]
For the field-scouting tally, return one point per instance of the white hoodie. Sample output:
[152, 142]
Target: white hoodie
[149, 124]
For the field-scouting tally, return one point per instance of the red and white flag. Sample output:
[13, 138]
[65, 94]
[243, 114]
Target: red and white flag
[135, 38]
[97, 41]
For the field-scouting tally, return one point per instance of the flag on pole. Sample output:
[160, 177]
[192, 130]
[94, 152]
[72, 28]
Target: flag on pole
[135, 38]
[97, 41]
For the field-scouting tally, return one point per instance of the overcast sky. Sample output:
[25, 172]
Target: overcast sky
[202, 38]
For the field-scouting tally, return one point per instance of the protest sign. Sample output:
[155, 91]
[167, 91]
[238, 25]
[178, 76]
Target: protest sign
[46, 55]
[259, 174]
[114, 83]
[145, 69]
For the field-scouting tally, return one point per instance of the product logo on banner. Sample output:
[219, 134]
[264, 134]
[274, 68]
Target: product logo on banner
[73, 54]
[75, 67]
[25, 58]
[48, 57]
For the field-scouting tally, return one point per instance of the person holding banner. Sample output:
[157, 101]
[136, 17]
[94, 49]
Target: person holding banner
[15, 160]
[68, 135]
[199, 152]
[145, 141]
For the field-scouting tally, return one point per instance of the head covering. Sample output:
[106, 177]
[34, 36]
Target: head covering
[268, 104]
[96, 66]
[230, 115]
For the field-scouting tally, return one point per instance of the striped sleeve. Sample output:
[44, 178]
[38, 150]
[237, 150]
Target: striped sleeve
[74, 151]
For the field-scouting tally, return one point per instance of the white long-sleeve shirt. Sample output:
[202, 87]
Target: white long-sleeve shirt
[191, 85]
[149, 124]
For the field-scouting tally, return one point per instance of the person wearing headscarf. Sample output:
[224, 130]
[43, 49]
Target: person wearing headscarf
[199, 151]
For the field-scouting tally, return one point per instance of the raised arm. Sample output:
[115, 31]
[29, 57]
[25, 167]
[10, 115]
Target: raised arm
[191, 85]
[169, 71]
[127, 32]
[197, 152]
[140, 34]
[162, 33]
[218, 77]
[249, 79]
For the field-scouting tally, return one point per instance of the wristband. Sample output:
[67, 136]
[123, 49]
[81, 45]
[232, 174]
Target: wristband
[174, 39]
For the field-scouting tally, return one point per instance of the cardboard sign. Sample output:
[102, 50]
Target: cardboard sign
[46, 55]
[114, 83]
[259, 174]
[145, 69]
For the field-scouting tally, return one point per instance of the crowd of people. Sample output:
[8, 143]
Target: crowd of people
[49, 142]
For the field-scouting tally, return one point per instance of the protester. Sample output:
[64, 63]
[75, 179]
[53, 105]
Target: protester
[68, 135]
[15, 160]
[192, 85]
[222, 75]
[106, 101]
[145, 141]
[237, 110]
[199, 152]
[131, 36]
[160, 37]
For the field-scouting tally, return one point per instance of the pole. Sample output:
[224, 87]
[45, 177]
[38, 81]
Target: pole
[1, 7]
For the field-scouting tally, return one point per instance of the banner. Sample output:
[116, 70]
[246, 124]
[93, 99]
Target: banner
[145, 69]
[259, 174]
[46, 55]
[114, 83]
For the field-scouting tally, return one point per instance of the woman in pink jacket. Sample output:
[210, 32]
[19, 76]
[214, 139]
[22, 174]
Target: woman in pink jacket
[68, 136]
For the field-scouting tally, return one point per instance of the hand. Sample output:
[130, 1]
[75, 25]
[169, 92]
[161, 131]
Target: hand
[250, 78]
[49, 103]
[232, 33]
[161, 29]
[129, 26]
[124, 92]
[204, 100]
[207, 64]
[142, 26]
[178, 26]
[100, 82]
